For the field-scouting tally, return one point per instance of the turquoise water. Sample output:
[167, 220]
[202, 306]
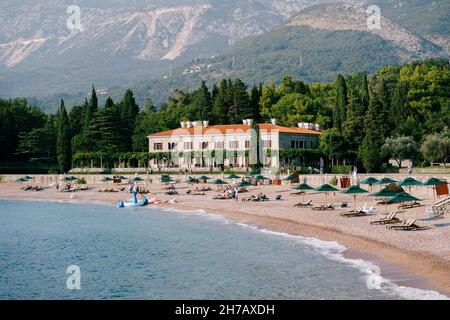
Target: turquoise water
[148, 253]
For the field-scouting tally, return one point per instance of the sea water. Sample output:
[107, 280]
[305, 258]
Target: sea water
[150, 253]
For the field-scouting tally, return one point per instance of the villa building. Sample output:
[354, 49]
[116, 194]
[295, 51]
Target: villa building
[197, 144]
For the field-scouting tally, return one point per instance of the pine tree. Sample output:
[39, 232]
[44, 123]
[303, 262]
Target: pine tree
[220, 107]
[240, 109]
[365, 93]
[340, 109]
[254, 97]
[63, 143]
[200, 106]
[94, 100]
[127, 110]
[107, 130]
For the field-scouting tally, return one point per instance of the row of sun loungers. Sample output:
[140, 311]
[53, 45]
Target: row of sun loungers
[32, 188]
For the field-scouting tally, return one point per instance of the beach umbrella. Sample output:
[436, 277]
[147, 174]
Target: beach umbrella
[259, 178]
[409, 182]
[233, 176]
[106, 179]
[326, 188]
[191, 180]
[244, 184]
[385, 193]
[122, 178]
[136, 179]
[303, 187]
[290, 178]
[204, 178]
[28, 178]
[20, 180]
[434, 182]
[354, 190]
[386, 181]
[402, 197]
[70, 178]
[369, 181]
[218, 182]
[166, 179]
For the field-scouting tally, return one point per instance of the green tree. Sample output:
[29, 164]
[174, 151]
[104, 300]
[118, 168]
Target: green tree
[400, 149]
[332, 144]
[240, 109]
[63, 143]
[369, 151]
[436, 147]
[340, 109]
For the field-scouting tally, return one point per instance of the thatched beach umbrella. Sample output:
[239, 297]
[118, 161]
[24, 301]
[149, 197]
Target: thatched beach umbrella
[354, 190]
[326, 188]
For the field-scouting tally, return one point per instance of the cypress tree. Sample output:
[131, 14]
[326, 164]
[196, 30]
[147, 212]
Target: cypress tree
[369, 151]
[254, 97]
[340, 109]
[63, 144]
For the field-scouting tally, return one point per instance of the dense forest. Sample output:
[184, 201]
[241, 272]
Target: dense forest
[400, 112]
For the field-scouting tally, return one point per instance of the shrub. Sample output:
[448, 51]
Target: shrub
[334, 181]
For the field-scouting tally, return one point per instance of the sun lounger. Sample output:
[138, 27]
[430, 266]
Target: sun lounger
[297, 193]
[199, 194]
[415, 204]
[328, 207]
[278, 197]
[391, 218]
[359, 213]
[304, 205]
[409, 225]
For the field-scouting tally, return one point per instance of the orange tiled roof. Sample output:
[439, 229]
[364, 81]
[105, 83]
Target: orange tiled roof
[232, 128]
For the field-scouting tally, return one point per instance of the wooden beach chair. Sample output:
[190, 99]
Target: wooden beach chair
[414, 204]
[328, 207]
[303, 205]
[409, 225]
[391, 218]
[278, 197]
[297, 193]
[360, 213]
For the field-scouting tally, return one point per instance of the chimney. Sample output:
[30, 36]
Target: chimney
[188, 124]
[244, 121]
[311, 126]
[205, 123]
[249, 122]
[182, 124]
[317, 127]
[273, 121]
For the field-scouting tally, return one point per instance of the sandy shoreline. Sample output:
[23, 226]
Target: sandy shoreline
[419, 259]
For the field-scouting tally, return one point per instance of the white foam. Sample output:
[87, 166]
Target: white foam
[335, 251]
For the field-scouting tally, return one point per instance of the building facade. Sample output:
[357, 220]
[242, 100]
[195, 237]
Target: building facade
[199, 145]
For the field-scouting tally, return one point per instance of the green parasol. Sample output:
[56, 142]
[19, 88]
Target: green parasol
[369, 181]
[233, 176]
[326, 188]
[244, 184]
[218, 181]
[303, 187]
[354, 190]
[385, 181]
[136, 179]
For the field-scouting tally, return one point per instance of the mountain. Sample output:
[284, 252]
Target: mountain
[120, 42]
[315, 45]
[156, 46]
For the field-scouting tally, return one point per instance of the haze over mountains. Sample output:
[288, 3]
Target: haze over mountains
[155, 46]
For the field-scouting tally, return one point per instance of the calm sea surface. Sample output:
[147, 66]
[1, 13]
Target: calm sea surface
[149, 253]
